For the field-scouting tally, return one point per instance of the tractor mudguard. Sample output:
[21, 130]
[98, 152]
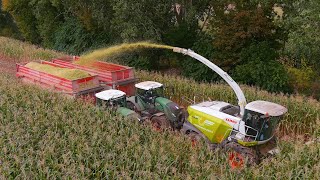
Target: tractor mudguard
[157, 115]
[124, 111]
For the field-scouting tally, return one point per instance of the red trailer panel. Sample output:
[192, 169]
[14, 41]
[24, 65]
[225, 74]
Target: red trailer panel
[76, 87]
[112, 75]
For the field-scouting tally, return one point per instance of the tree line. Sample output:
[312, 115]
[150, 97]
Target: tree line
[271, 44]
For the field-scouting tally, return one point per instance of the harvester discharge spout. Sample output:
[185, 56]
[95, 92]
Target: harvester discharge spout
[241, 98]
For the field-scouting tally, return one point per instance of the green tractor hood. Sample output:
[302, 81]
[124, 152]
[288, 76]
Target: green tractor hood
[127, 113]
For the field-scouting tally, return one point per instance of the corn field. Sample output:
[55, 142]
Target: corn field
[48, 136]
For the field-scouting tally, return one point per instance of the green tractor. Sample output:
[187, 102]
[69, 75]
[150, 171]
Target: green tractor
[151, 104]
[115, 100]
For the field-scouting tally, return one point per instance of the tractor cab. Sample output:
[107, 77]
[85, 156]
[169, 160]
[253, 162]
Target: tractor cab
[260, 120]
[111, 99]
[116, 101]
[149, 91]
[150, 102]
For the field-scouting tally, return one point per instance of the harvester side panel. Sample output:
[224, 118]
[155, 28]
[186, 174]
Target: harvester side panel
[215, 129]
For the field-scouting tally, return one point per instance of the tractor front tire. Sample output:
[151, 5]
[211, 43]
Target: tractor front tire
[239, 156]
[160, 123]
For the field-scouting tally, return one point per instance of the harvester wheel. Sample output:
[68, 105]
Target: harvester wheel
[160, 123]
[239, 156]
[195, 139]
[264, 149]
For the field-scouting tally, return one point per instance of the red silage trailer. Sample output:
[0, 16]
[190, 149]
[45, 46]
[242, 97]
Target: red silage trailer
[112, 76]
[76, 88]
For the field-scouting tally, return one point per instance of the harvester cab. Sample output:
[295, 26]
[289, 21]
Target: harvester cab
[259, 122]
[115, 100]
[150, 102]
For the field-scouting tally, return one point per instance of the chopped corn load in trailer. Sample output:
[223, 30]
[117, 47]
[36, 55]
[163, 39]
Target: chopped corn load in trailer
[112, 76]
[76, 87]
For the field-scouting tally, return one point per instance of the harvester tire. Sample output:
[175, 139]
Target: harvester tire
[239, 156]
[160, 123]
[195, 139]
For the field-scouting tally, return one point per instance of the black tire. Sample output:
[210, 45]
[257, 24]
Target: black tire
[195, 139]
[264, 149]
[160, 123]
[239, 156]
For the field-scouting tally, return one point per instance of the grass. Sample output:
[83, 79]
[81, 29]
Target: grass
[16, 51]
[42, 137]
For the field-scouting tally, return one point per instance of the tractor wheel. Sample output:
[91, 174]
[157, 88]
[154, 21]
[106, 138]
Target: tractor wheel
[160, 123]
[240, 156]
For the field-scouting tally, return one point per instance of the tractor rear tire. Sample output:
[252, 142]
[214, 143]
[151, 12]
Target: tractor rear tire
[239, 156]
[160, 123]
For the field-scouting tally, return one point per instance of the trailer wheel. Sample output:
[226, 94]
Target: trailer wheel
[240, 156]
[160, 123]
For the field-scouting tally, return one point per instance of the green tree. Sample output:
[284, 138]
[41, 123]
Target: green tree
[237, 25]
[158, 21]
[260, 68]
[304, 36]
[7, 26]
[21, 10]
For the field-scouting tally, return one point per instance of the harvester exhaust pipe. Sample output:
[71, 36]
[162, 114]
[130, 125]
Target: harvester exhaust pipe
[241, 98]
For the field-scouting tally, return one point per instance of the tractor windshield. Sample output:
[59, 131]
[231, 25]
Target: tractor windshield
[261, 126]
[156, 92]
